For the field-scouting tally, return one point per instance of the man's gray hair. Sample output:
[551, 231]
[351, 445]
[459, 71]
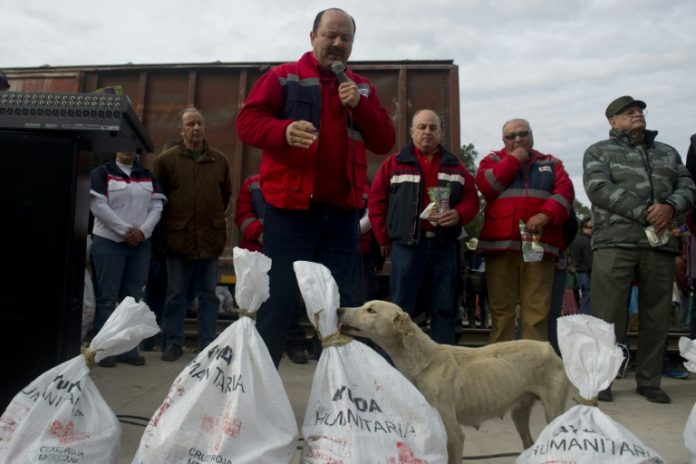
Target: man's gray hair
[190, 109]
[523, 121]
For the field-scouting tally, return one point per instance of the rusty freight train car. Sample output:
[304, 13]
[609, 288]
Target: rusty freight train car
[159, 92]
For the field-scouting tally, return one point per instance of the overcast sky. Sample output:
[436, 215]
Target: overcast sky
[556, 63]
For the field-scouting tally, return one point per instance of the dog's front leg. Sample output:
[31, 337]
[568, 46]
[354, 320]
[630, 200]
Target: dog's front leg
[455, 437]
[520, 416]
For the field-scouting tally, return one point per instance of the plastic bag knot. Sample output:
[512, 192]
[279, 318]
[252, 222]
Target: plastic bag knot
[586, 402]
[335, 339]
[89, 355]
[243, 312]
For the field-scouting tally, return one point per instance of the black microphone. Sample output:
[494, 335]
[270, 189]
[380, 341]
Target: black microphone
[339, 70]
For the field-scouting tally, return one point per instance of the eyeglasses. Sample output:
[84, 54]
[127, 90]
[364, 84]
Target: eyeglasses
[514, 135]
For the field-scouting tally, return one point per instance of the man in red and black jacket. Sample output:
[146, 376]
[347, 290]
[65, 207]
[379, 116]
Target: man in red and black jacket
[423, 251]
[521, 184]
[314, 126]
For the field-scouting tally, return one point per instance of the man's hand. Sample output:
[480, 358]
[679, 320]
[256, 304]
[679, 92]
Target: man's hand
[536, 223]
[134, 236]
[385, 250]
[349, 94]
[660, 215]
[449, 218]
[521, 154]
[301, 134]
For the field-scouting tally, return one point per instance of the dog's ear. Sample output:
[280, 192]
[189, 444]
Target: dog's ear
[401, 322]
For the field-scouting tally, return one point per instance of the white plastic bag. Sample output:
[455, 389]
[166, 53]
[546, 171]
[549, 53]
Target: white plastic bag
[687, 349]
[61, 416]
[425, 214]
[584, 434]
[360, 408]
[229, 404]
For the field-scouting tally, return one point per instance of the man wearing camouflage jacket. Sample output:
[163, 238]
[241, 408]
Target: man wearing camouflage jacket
[635, 183]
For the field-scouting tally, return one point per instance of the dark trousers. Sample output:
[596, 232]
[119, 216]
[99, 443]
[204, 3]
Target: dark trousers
[584, 279]
[181, 274]
[155, 296]
[366, 285]
[324, 234]
[433, 264]
[296, 335]
[476, 296]
[119, 271]
[556, 309]
[613, 269]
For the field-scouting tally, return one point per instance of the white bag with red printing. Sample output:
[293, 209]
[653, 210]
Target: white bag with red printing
[61, 416]
[229, 404]
[687, 349]
[360, 408]
[584, 434]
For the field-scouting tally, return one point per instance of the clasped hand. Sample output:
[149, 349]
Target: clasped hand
[134, 236]
[660, 215]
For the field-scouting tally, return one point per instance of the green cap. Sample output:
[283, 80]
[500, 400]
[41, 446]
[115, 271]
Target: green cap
[622, 103]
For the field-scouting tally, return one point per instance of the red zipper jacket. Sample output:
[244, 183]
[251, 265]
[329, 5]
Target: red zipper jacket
[394, 203]
[513, 192]
[299, 91]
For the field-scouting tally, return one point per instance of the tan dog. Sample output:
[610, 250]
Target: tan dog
[466, 385]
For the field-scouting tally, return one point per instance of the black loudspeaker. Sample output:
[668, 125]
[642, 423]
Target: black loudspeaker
[45, 211]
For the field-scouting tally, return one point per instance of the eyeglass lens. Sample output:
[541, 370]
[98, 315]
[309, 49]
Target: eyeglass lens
[514, 135]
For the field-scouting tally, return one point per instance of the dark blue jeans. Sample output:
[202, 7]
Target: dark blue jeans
[119, 271]
[155, 296]
[584, 284]
[204, 273]
[433, 264]
[324, 234]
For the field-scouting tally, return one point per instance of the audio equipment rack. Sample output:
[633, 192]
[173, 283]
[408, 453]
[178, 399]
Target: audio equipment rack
[102, 122]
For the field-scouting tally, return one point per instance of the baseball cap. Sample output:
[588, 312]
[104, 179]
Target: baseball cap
[621, 103]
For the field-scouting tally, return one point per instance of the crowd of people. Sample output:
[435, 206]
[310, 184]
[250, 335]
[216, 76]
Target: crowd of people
[314, 121]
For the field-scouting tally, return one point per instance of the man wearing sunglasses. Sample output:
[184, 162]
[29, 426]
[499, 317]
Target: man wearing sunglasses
[523, 188]
[637, 187]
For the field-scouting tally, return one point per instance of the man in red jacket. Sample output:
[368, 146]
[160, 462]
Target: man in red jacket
[314, 126]
[522, 188]
[423, 251]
